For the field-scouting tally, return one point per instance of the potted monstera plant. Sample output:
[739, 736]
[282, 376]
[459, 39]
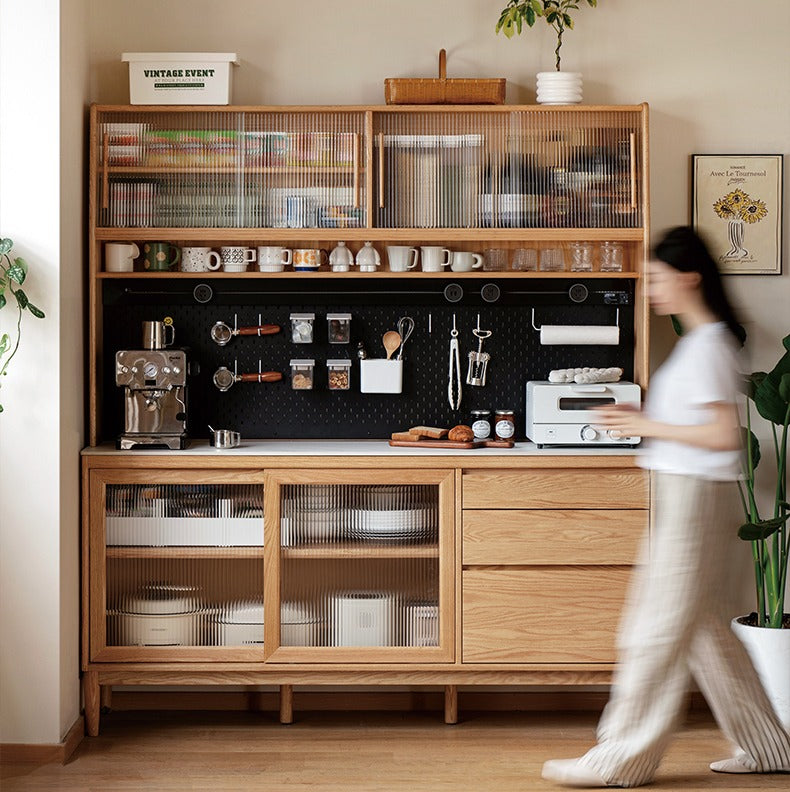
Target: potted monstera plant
[766, 632]
[557, 87]
[13, 272]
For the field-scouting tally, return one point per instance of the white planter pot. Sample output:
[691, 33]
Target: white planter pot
[769, 650]
[559, 88]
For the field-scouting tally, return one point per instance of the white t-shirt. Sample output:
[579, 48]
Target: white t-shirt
[702, 369]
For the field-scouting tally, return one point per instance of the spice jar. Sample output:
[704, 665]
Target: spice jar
[339, 372]
[339, 326]
[302, 374]
[302, 328]
[504, 424]
[481, 424]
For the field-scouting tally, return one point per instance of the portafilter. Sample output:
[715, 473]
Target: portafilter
[222, 333]
[224, 378]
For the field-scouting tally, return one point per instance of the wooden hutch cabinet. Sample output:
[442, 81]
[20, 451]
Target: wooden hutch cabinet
[334, 563]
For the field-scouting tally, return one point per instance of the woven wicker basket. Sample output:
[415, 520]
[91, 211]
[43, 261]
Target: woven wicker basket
[409, 90]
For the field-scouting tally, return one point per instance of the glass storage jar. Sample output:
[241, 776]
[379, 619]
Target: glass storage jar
[481, 424]
[611, 257]
[339, 328]
[581, 256]
[302, 374]
[302, 328]
[339, 374]
[504, 424]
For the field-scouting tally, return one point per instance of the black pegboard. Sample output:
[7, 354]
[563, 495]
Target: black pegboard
[274, 410]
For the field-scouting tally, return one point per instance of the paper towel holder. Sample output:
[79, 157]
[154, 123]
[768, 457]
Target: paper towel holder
[616, 321]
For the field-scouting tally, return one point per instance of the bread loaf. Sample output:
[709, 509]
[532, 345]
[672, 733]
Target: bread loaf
[461, 433]
[405, 436]
[428, 431]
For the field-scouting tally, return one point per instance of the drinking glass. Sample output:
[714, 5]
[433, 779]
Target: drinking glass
[581, 257]
[552, 260]
[525, 259]
[611, 257]
[495, 260]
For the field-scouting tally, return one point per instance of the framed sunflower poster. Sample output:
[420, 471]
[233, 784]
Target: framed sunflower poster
[737, 206]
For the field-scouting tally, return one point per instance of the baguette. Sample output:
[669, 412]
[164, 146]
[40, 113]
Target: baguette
[432, 432]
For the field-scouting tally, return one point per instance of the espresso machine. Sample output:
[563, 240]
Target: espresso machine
[155, 393]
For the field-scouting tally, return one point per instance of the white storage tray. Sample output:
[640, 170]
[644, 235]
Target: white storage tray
[185, 531]
[381, 376]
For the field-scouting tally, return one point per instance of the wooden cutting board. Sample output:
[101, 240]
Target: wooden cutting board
[453, 443]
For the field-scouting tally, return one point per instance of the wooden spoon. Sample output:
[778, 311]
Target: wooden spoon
[391, 341]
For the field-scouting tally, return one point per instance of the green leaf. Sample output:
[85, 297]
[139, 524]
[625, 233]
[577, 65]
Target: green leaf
[37, 312]
[3, 285]
[676, 326]
[762, 529]
[18, 271]
[786, 342]
[753, 442]
[568, 21]
[529, 15]
[784, 387]
[21, 298]
[592, 3]
[5, 342]
[2, 300]
[5, 246]
[551, 17]
[767, 398]
[537, 7]
[753, 381]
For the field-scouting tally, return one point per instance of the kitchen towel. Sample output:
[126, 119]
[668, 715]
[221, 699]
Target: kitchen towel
[580, 334]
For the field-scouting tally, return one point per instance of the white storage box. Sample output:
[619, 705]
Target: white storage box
[180, 78]
[380, 376]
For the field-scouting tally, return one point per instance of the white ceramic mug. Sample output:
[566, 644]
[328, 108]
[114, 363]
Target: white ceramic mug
[273, 259]
[435, 257]
[235, 258]
[402, 257]
[120, 256]
[199, 259]
[466, 262]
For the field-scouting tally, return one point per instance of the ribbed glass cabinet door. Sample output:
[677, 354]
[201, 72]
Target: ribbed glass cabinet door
[183, 568]
[362, 564]
[221, 168]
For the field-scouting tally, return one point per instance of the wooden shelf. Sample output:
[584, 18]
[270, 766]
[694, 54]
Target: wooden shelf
[230, 170]
[444, 235]
[325, 273]
[185, 552]
[357, 551]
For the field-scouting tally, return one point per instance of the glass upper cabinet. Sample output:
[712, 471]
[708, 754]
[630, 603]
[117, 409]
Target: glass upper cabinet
[362, 566]
[183, 566]
[230, 169]
[537, 168]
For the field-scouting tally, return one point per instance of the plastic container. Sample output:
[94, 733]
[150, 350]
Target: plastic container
[339, 374]
[302, 372]
[380, 376]
[339, 328]
[180, 78]
[302, 328]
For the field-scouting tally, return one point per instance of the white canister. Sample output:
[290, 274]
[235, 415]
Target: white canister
[341, 258]
[368, 258]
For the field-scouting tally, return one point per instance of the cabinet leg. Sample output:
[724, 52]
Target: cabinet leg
[286, 704]
[451, 703]
[106, 698]
[92, 696]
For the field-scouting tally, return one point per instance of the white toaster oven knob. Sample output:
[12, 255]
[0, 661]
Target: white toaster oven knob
[589, 433]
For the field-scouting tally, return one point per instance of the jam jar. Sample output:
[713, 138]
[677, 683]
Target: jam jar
[504, 424]
[480, 420]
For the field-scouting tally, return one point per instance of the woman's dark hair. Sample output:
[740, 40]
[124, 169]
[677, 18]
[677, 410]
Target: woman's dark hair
[684, 250]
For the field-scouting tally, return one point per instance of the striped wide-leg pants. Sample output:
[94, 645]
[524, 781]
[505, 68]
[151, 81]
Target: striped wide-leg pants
[677, 624]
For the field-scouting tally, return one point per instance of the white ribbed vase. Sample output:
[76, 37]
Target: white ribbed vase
[769, 650]
[559, 87]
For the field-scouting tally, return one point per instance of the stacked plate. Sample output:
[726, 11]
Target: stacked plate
[559, 88]
[394, 525]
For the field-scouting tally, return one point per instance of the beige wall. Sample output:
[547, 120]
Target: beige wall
[714, 74]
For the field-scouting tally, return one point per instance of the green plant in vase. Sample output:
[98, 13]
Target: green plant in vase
[554, 12]
[12, 275]
[770, 537]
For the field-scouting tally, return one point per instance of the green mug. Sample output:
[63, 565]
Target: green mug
[160, 256]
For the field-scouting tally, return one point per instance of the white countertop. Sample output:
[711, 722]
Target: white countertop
[359, 448]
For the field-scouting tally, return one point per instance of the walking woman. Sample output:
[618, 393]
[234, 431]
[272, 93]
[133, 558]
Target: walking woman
[677, 620]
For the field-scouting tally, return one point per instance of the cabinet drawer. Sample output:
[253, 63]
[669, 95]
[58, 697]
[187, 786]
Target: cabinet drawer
[542, 615]
[549, 536]
[607, 488]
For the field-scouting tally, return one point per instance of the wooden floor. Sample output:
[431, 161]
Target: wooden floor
[354, 752]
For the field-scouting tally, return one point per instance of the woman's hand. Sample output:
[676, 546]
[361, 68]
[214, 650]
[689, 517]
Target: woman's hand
[623, 419]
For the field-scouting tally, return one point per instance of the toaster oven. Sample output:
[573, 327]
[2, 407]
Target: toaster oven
[560, 414]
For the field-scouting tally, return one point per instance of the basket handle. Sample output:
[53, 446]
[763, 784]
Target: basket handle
[442, 64]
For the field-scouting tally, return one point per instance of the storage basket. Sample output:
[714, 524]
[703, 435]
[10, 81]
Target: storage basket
[418, 90]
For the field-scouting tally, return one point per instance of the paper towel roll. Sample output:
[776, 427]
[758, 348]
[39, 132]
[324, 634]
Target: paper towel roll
[580, 334]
